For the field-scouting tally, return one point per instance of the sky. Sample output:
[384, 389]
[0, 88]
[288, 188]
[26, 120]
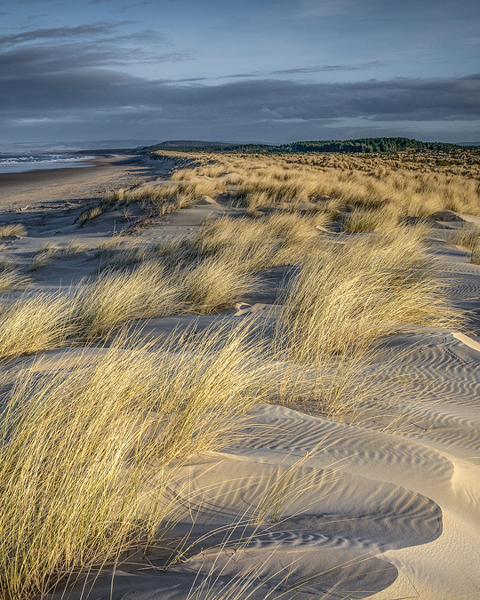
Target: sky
[239, 70]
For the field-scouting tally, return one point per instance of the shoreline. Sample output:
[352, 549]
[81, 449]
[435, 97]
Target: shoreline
[72, 183]
[56, 174]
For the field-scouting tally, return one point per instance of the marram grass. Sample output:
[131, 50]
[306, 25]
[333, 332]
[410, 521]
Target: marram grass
[348, 295]
[87, 450]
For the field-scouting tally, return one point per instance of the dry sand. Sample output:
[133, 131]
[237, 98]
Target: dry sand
[371, 511]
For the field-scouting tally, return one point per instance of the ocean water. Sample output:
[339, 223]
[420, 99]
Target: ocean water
[16, 163]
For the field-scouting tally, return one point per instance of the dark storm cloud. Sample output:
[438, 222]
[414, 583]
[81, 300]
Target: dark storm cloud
[27, 67]
[70, 78]
[40, 82]
[398, 99]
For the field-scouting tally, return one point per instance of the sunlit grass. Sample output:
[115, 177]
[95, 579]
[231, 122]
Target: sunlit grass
[86, 450]
[350, 294]
[468, 239]
[17, 230]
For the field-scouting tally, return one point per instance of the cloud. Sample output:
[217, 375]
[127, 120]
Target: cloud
[53, 75]
[36, 83]
[27, 67]
[71, 51]
[296, 71]
[329, 68]
[82, 31]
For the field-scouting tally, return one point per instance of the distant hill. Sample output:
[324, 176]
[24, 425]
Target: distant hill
[199, 143]
[198, 146]
[361, 145]
[189, 144]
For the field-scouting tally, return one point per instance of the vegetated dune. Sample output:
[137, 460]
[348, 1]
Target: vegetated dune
[263, 384]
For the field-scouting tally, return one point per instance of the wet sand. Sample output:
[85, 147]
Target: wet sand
[20, 191]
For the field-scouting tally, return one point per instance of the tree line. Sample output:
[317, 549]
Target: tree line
[361, 145]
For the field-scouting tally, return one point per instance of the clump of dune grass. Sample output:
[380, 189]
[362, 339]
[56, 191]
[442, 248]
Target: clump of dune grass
[16, 229]
[287, 232]
[202, 285]
[157, 200]
[93, 308]
[213, 284]
[92, 213]
[97, 307]
[119, 252]
[170, 278]
[34, 323]
[166, 196]
[113, 243]
[73, 248]
[468, 239]
[383, 219]
[337, 386]
[50, 251]
[45, 256]
[216, 266]
[350, 294]
[252, 244]
[106, 302]
[205, 274]
[11, 277]
[87, 450]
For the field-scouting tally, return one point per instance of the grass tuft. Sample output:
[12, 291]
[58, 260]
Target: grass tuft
[468, 239]
[349, 295]
[17, 230]
[87, 450]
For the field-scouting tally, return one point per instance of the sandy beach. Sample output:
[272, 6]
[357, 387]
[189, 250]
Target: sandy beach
[381, 504]
[75, 183]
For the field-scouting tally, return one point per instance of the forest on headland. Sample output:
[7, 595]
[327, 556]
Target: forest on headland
[362, 145]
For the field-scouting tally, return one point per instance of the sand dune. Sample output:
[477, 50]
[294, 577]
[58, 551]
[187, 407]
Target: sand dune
[382, 509]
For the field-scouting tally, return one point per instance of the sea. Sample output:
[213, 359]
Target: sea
[17, 163]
